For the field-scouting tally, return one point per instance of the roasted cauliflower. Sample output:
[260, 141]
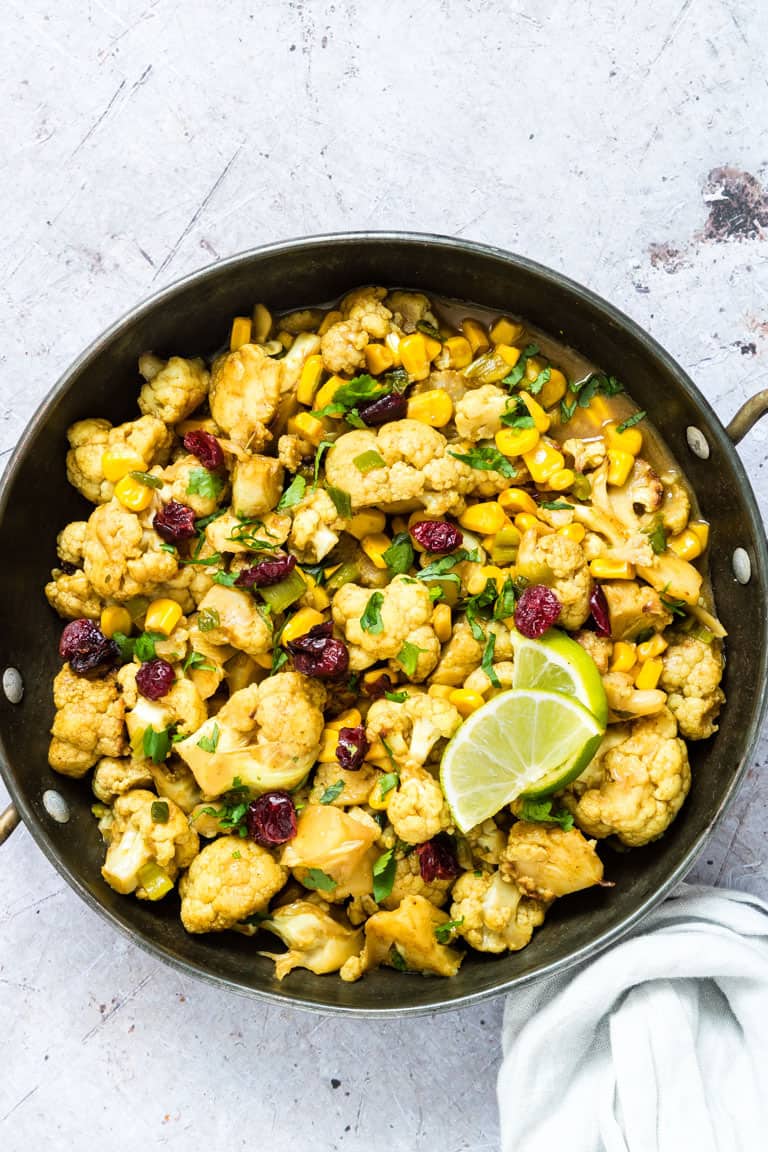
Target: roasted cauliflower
[405, 613]
[493, 914]
[148, 437]
[230, 880]
[146, 835]
[173, 388]
[89, 722]
[692, 671]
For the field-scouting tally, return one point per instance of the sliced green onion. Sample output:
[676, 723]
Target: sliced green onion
[281, 596]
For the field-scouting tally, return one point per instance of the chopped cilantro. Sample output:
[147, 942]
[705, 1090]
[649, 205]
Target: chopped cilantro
[408, 657]
[630, 421]
[342, 501]
[169, 548]
[487, 459]
[332, 792]
[196, 660]
[293, 493]
[397, 960]
[204, 483]
[387, 782]
[676, 607]
[384, 875]
[477, 607]
[536, 385]
[487, 661]
[505, 602]
[371, 621]
[125, 646]
[156, 745]
[318, 880]
[202, 523]
[399, 556]
[210, 743]
[428, 330]
[557, 506]
[144, 645]
[389, 753]
[516, 414]
[596, 384]
[322, 447]
[441, 569]
[445, 932]
[396, 697]
[513, 378]
[279, 657]
[657, 537]
[540, 812]
[228, 579]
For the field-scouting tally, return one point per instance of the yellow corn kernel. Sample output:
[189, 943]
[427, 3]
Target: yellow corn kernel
[328, 321]
[315, 596]
[517, 500]
[603, 568]
[301, 623]
[493, 572]
[524, 522]
[624, 656]
[687, 545]
[328, 391]
[534, 366]
[378, 358]
[434, 407]
[368, 523]
[240, 333]
[465, 701]
[554, 389]
[440, 691]
[375, 674]
[561, 480]
[263, 660]
[516, 441]
[599, 411]
[701, 529]
[630, 440]
[649, 674]
[261, 325]
[620, 465]
[285, 338]
[413, 353]
[442, 622]
[115, 619]
[329, 742]
[399, 524]
[349, 719]
[434, 347]
[377, 801]
[459, 351]
[506, 331]
[653, 647]
[477, 336]
[543, 461]
[575, 532]
[509, 355]
[133, 494]
[162, 616]
[485, 518]
[309, 380]
[375, 546]
[119, 460]
[307, 426]
[540, 419]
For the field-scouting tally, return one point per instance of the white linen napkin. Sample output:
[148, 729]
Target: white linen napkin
[660, 1044]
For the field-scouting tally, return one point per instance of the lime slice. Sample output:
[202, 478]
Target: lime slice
[556, 663]
[513, 745]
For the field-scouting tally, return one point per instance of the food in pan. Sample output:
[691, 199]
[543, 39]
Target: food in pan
[383, 619]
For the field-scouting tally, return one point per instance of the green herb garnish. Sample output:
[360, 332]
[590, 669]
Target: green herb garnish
[293, 493]
[557, 506]
[477, 606]
[371, 620]
[516, 414]
[208, 619]
[159, 811]
[146, 479]
[630, 421]
[125, 646]
[156, 745]
[505, 603]
[597, 384]
[445, 932]
[318, 880]
[144, 645]
[322, 448]
[428, 330]
[388, 781]
[210, 743]
[396, 697]
[332, 792]
[399, 556]
[657, 537]
[676, 607]
[228, 579]
[196, 661]
[487, 661]
[408, 657]
[487, 459]
[513, 378]
[536, 385]
[342, 501]
[441, 569]
[540, 812]
[396, 960]
[384, 875]
[204, 483]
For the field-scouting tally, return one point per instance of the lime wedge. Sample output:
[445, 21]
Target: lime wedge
[556, 663]
[522, 741]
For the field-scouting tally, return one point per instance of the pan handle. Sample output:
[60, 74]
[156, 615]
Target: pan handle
[748, 415]
[9, 819]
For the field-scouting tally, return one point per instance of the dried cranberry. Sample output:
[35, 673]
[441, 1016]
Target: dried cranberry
[175, 522]
[155, 678]
[393, 406]
[436, 535]
[598, 606]
[271, 819]
[207, 449]
[537, 609]
[266, 572]
[375, 689]
[318, 653]
[351, 748]
[437, 860]
[86, 647]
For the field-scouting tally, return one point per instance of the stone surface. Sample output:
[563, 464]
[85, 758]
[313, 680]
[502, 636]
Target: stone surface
[145, 138]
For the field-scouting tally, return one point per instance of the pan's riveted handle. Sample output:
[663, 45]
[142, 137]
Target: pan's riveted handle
[9, 819]
[748, 415]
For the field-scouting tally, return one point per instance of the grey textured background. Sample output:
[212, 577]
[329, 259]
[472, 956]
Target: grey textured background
[145, 139]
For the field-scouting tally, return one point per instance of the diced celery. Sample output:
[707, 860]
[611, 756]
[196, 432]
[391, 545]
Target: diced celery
[581, 487]
[344, 574]
[281, 596]
[154, 880]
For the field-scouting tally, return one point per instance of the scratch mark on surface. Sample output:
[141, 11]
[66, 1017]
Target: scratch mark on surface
[146, 256]
[99, 119]
[141, 80]
[117, 1006]
[19, 1103]
[673, 28]
[198, 212]
[18, 983]
[35, 904]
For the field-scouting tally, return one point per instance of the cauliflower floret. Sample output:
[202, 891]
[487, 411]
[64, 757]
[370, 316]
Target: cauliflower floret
[463, 653]
[89, 439]
[306, 344]
[409, 882]
[478, 414]
[138, 839]
[486, 842]
[632, 503]
[417, 809]
[174, 781]
[122, 554]
[343, 347]
[316, 940]
[112, 777]
[70, 542]
[88, 723]
[358, 784]
[405, 939]
[173, 388]
[245, 392]
[302, 320]
[240, 623]
[257, 485]
[182, 479]
[409, 309]
[676, 505]
[546, 861]
[411, 728]
[624, 699]
[692, 671]
[600, 648]
[559, 562]
[71, 595]
[228, 533]
[340, 844]
[364, 307]
[405, 611]
[636, 784]
[480, 681]
[316, 527]
[634, 608]
[292, 451]
[181, 706]
[231, 879]
[418, 467]
[267, 734]
[495, 915]
[586, 454]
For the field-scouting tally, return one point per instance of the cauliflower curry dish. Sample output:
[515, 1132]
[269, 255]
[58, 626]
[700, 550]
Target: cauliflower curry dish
[378, 622]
